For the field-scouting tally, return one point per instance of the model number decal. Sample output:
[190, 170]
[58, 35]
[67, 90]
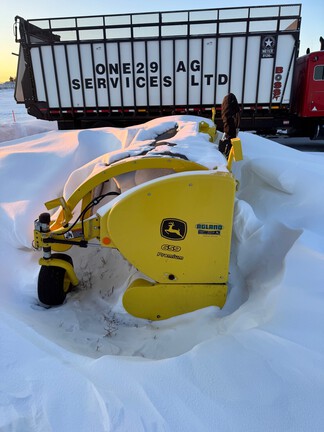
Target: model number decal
[171, 248]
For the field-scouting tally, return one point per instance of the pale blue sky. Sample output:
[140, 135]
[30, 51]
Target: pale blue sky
[312, 17]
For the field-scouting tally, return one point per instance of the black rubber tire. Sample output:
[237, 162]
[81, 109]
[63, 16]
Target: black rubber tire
[53, 283]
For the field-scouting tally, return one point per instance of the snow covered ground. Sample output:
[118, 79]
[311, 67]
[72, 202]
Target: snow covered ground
[15, 122]
[256, 365]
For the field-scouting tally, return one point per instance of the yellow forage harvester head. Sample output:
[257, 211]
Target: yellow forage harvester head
[176, 230]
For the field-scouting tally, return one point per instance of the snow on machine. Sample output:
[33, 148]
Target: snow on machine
[174, 225]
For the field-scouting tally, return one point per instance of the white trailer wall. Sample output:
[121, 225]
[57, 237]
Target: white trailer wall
[167, 59]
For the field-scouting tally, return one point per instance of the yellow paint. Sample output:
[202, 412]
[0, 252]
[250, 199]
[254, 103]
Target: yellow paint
[161, 301]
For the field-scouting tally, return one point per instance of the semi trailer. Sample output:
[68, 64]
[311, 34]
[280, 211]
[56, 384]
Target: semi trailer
[119, 70]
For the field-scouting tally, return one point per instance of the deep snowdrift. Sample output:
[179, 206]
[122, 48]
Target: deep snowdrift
[257, 364]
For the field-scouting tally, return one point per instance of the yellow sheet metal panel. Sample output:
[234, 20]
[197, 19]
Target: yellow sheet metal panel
[161, 301]
[177, 229]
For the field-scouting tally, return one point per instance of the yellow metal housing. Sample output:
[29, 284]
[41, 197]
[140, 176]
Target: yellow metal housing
[175, 229]
[161, 301]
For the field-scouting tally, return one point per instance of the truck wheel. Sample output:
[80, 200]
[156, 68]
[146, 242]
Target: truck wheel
[53, 282]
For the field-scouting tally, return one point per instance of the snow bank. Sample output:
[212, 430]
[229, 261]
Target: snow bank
[15, 130]
[257, 364]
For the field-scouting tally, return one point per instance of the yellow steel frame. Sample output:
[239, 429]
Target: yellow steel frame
[84, 193]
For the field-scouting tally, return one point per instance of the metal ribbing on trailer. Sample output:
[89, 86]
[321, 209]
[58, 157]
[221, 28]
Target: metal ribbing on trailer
[216, 56]
[273, 72]
[146, 76]
[133, 63]
[69, 75]
[258, 77]
[230, 65]
[120, 77]
[244, 70]
[94, 78]
[188, 67]
[55, 72]
[201, 70]
[274, 60]
[80, 63]
[43, 71]
[160, 62]
[174, 73]
[293, 56]
[106, 64]
[245, 58]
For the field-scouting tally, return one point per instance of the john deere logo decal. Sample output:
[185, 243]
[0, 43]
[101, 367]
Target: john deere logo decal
[173, 229]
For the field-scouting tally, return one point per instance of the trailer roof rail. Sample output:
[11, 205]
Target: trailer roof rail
[180, 23]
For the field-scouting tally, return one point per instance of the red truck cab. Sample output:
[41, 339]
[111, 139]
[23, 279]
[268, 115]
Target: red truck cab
[307, 101]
